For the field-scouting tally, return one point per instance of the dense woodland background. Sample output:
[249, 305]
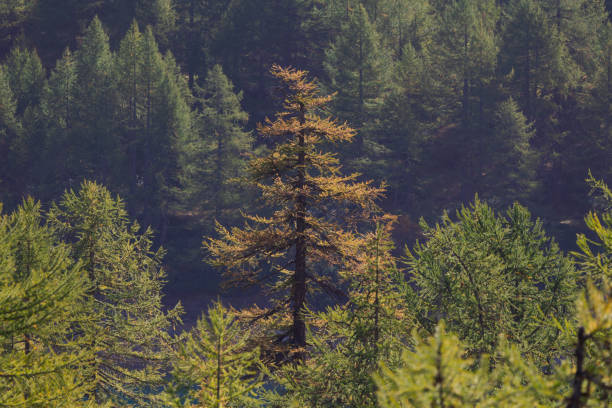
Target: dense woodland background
[507, 99]
[464, 105]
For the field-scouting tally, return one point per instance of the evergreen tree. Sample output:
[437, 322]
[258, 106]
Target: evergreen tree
[57, 109]
[437, 373]
[410, 115]
[309, 197]
[94, 141]
[200, 20]
[508, 163]
[13, 16]
[577, 24]
[466, 50]
[357, 65]
[488, 275]
[11, 143]
[259, 33]
[160, 15]
[26, 77]
[539, 64]
[127, 327]
[215, 365]
[129, 70]
[41, 293]
[406, 22]
[218, 154]
[171, 127]
[155, 123]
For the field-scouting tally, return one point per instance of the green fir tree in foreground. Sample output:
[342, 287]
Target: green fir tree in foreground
[127, 328]
[488, 274]
[42, 297]
[215, 366]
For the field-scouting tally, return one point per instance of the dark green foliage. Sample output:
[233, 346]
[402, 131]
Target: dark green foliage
[465, 48]
[56, 120]
[357, 66]
[153, 118]
[508, 162]
[93, 139]
[218, 153]
[258, 34]
[11, 144]
[488, 275]
[26, 77]
[538, 64]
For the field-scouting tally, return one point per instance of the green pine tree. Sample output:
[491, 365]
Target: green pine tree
[508, 164]
[26, 77]
[535, 57]
[357, 65]
[94, 138]
[487, 274]
[404, 22]
[218, 155]
[58, 115]
[466, 52]
[127, 328]
[41, 295]
[215, 365]
[11, 143]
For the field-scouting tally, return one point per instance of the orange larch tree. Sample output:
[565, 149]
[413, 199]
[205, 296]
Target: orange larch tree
[315, 210]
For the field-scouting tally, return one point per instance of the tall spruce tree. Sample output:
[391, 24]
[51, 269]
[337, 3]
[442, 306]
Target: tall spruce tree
[95, 141]
[357, 65]
[58, 110]
[127, 328]
[155, 122]
[411, 112]
[303, 237]
[10, 140]
[26, 77]
[508, 165]
[466, 49]
[404, 22]
[172, 126]
[539, 64]
[219, 152]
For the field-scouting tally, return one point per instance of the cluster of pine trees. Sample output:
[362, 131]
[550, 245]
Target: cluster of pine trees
[123, 118]
[483, 102]
[449, 98]
[486, 311]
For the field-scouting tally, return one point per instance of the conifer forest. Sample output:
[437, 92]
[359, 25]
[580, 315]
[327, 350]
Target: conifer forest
[305, 203]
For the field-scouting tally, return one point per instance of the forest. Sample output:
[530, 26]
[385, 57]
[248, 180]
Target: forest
[305, 203]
